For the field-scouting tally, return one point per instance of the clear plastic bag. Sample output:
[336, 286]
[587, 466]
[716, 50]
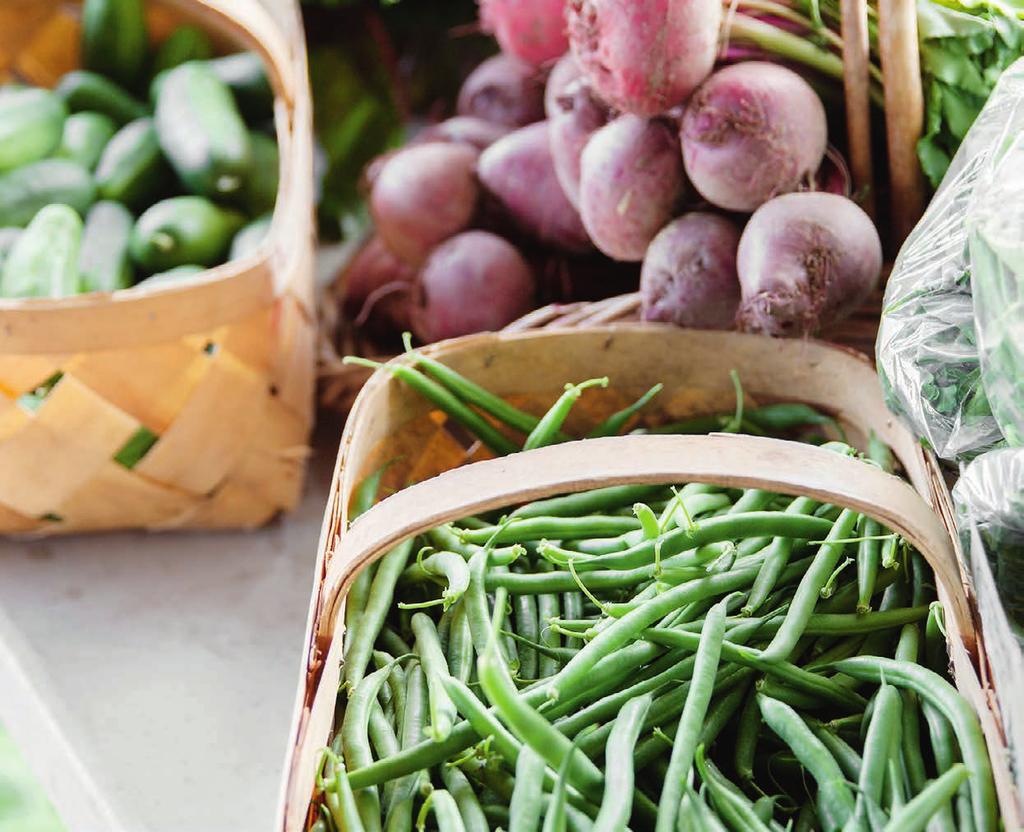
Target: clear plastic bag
[996, 229]
[927, 351]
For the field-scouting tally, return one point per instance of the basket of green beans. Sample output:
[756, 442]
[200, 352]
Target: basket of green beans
[618, 623]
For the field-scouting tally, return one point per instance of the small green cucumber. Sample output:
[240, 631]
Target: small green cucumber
[183, 230]
[246, 76]
[186, 43]
[132, 169]
[259, 194]
[104, 264]
[8, 237]
[248, 240]
[31, 124]
[177, 273]
[27, 190]
[44, 261]
[84, 90]
[201, 132]
[114, 39]
[85, 136]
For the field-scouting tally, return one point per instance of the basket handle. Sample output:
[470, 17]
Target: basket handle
[736, 461]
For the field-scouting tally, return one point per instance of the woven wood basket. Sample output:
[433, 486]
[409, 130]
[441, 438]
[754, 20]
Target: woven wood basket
[220, 366]
[903, 185]
[390, 423]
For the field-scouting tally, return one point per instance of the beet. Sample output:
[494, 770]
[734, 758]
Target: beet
[644, 56]
[531, 30]
[573, 119]
[806, 260]
[422, 195]
[519, 172]
[563, 75]
[378, 289]
[474, 282]
[468, 130]
[631, 178]
[503, 90]
[689, 275]
[752, 131]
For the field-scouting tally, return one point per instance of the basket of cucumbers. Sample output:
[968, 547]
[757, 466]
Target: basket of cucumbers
[156, 253]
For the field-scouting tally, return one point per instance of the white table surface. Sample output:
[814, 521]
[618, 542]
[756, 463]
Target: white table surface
[149, 679]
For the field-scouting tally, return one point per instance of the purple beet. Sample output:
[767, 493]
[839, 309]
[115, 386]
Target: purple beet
[573, 119]
[503, 90]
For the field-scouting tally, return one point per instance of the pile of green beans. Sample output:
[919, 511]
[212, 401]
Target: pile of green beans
[684, 657]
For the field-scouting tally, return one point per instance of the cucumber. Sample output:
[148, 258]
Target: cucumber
[84, 90]
[177, 273]
[8, 237]
[31, 124]
[132, 169]
[186, 43]
[246, 77]
[259, 194]
[247, 241]
[27, 190]
[201, 132]
[104, 264]
[44, 261]
[114, 39]
[85, 136]
[183, 230]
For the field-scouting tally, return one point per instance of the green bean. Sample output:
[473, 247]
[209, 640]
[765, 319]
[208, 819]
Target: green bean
[944, 751]
[530, 726]
[435, 666]
[698, 697]
[560, 655]
[879, 745]
[396, 681]
[807, 819]
[798, 678]
[460, 645]
[483, 721]
[555, 816]
[746, 740]
[382, 590]
[915, 815]
[737, 811]
[617, 802]
[849, 760]
[595, 501]
[753, 499]
[806, 598]
[890, 552]
[775, 560]
[474, 394]
[785, 416]
[547, 609]
[447, 565]
[764, 808]
[445, 538]
[935, 654]
[711, 530]
[896, 793]
[498, 816]
[614, 424]
[725, 708]
[934, 689]
[551, 423]
[447, 402]
[355, 604]
[340, 799]
[526, 806]
[410, 734]
[835, 801]
[554, 528]
[468, 804]
[572, 604]
[524, 615]
[694, 425]
[869, 555]
[446, 812]
[475, 601]
[356, 743]
[393, 642]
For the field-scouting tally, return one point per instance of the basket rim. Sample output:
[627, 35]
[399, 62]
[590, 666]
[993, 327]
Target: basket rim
[227, 292]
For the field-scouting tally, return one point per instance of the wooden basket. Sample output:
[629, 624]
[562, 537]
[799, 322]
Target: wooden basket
[219, 366]
[530, 368]
[904, 185]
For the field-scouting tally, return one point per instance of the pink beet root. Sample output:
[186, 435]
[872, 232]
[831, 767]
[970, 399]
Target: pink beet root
[503, 90]
[562, 76]
[519, 172]
[752, 131]
[805, 260]
[475, 282]
[578, 114]
[689, 275]
[468, 130]
[532, 30]
[644, 56]
[422, 196]
[378, 289]
[631, 178]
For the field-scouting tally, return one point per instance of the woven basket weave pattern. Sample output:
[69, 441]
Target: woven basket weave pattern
[220, 370]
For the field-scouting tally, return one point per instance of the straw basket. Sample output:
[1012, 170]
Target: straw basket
[389, 422]
[219, 366]
[902, 186]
